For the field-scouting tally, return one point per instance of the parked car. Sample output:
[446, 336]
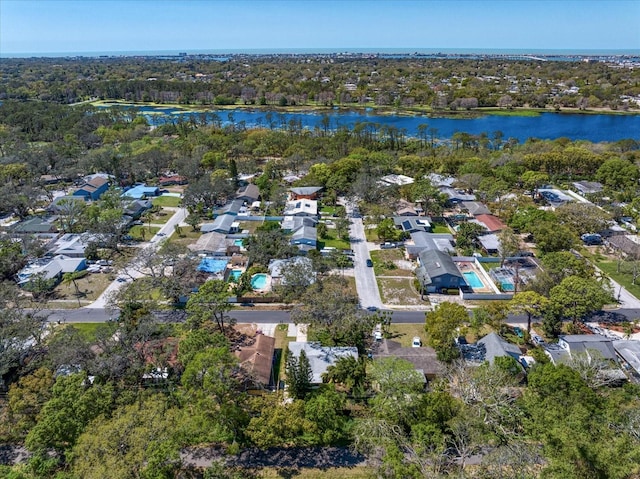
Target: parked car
[518, 332]
[524, 254]
[416, 343]
[537, 339]
[369, 263]
[388, 245]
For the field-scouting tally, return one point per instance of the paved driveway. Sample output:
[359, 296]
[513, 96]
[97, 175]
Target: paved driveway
[366, 284]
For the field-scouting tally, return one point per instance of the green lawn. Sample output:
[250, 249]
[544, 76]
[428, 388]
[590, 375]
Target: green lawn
[161, 217]
[625, 277]
[187, 237]
[371, 235]
[90, 287]
[383, 263]
[331, 242]
[404, 333]
[171, 201]
[88, 330]
[144, 233]
[328, 210]
[440, 228]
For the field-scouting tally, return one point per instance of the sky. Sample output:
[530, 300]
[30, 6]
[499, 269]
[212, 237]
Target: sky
[71, 26]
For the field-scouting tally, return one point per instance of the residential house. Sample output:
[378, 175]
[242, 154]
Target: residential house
[588, 187]
[305, 192]
[490, 243]
[291, 223]
[257, 360]
[249, 193]
[456, 196]
[93, 189]
[629, 353]
[626, 245]
[475, 208]
[404, 208]
[437, 272]
[429, 241]
[225, 224]
[413, 224]
[321, 357]
[593, 348]
[496, 347]
[62, 204]
[71, 245]
[211, 243]
[50, 269]
[424, 358]
[172, 180]
[491, 223]
[305, 238]
[396, 180]
[139, 192]
[302, 207]
[276, 266]
[233, 208]
[135, 209]
[34, 225]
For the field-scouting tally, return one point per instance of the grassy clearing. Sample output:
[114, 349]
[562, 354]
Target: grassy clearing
[440, 228]
[170, 201]
[328, 210]
[282, 341]
[396, 291]
[515, 112]
[89, 288]
[88, 330]
[143, 233]
[404, 333]
[187, 237]
[624, 277]
[331, 242]
[371, 235]
[384, 263]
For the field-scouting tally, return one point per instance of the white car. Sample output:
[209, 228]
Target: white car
[416, 343]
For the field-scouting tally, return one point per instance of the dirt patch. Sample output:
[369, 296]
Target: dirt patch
[399, 291]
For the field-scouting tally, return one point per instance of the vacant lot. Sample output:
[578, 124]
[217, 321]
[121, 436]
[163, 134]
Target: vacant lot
[391, 262]
[89, 288]
[399, 291]
[187, 237]
[144, 233]
[172, 201]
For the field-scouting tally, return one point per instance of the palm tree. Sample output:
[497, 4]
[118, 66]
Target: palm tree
[71, 278]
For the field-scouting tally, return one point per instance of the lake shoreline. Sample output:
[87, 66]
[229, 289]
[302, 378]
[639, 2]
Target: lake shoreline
[378, 110]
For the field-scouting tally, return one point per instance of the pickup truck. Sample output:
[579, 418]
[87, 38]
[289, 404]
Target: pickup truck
[388, 245]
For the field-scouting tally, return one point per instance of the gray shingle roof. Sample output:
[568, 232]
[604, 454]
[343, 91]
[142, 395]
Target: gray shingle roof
[495, 347]
[321, 357]
[437, 263]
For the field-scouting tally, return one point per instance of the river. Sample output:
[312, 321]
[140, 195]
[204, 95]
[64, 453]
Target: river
[592, 127]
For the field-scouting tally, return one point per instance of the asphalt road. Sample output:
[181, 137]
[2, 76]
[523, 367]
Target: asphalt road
[366, 284]
[86, 315]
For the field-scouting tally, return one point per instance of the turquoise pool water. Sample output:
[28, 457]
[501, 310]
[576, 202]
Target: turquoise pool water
[238, 242]
[212, 265]
[259, 281]
[235, 274]
[472, 279]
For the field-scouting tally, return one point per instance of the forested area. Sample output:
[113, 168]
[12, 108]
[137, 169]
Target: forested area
[317, 80]
[80, 403]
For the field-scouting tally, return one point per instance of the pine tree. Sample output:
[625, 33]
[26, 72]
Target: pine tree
[299, 375]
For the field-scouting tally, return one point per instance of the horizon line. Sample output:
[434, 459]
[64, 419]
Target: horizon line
[326, 50]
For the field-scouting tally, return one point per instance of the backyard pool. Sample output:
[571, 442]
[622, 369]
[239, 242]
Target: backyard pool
[212, 265]
[235, 274]
[259, 281]
[472, 279]
[238, 242]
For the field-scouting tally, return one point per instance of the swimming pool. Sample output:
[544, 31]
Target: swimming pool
[238, 242]
[235, 274]
[212, 265]
[259, 281]
[472, 279]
